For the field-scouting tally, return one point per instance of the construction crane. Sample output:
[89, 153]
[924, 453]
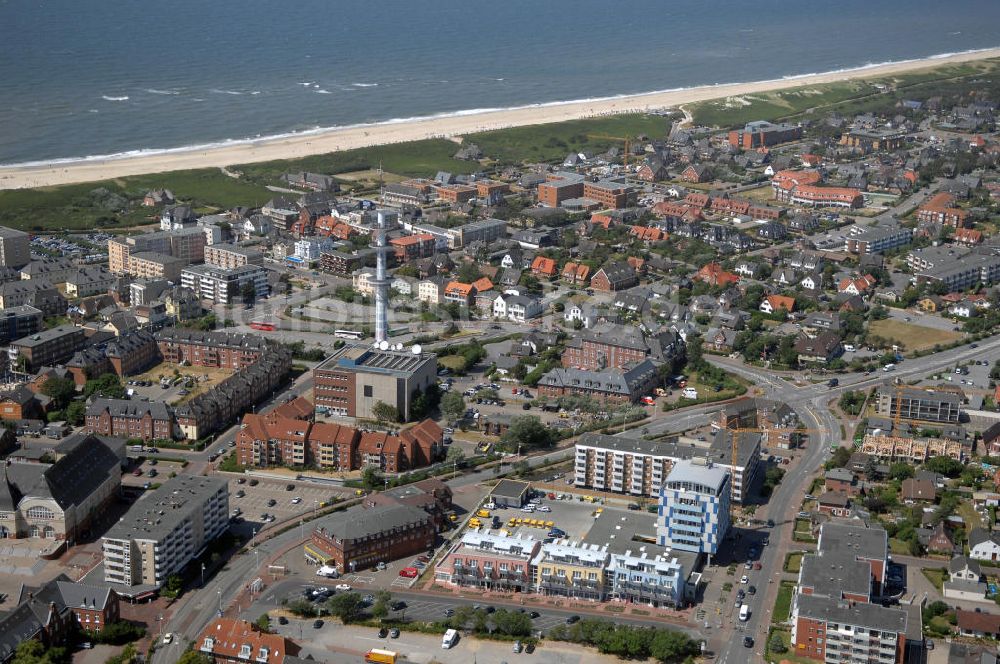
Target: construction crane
[734, 437]
[625, 139]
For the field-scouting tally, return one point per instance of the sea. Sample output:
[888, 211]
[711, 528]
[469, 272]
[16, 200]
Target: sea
[92, 78]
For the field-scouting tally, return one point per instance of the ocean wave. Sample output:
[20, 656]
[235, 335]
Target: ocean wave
[111, 98]
[365, 85]
[461, 113]
[226, 92]
[154, 91]
[307, 83]
[255, 92]
[323, 92]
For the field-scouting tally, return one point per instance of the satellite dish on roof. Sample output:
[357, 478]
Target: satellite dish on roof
[383, 345]
[416, 350]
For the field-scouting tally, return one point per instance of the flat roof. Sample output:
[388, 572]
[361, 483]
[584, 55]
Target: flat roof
[366, 358]
[510, 488]
[870, 616]
[46, 336]
[160, 513]
[711, 476]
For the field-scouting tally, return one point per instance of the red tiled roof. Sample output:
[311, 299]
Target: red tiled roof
[543, 265]
[781, 302]
[230, 636]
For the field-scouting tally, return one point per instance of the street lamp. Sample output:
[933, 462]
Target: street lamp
[203, 575]
[220, 602]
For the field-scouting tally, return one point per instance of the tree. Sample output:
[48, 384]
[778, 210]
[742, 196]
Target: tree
[452, 406]
[60, 390]
[75, 413]
[455, 456]
[248, 292]
[346, 606]
[264, 623]
[105, 385]
[900, 471]
[194, 657]
[31, 651]
[777, 645]
[695, 357]
[839, 458]
[670, 646]
[370, 478]
[528, 431]
[380, 609]
[383, 412]
[945, 465]
[852, 401]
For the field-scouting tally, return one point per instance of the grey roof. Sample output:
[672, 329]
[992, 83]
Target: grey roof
[841, 474]
[708, 475]
[359, 523]
[68, 481]
[158, 514]
[46, 336]
[959, 563]
[8, 233]
[979, 535]
[510, 488]
[870, 616]
[720, 450]
[616, 381]
[832, 575]
[127, 408]
[854, 537]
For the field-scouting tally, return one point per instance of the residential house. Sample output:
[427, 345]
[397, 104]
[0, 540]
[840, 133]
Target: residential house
[614, 276]
[775, 303]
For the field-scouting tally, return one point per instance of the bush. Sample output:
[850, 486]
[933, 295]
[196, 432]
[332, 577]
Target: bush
[116, 633]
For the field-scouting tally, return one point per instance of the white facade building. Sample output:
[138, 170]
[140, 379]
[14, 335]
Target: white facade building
[694, 508]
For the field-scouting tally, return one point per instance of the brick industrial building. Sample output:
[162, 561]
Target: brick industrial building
[352, 380]
[762, 134]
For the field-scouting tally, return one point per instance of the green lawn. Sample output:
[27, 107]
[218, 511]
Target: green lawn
[783, 604]
[803, 531]
[112, 204]
[793, 562]
[552, 142]
[846, 97]
[912, 337]
[936, 576]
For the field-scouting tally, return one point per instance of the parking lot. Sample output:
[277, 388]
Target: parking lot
[150, 471]
[253, 497]
[572, 516]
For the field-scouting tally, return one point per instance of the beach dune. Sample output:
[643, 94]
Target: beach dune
[346, 138]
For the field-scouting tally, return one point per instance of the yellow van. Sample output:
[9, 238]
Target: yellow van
[484, 514]
[474, 523]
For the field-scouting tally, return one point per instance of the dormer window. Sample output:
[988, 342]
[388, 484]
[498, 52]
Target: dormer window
[262, 655]
[208, 645]
[244, 651]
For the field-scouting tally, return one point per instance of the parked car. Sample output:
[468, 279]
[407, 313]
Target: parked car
[317, 624]
[382, 633]
[517, 647]
[393, 633]
[572, 619]
[748, 642]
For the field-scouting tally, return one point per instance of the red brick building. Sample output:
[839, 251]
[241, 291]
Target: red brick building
[219, 350]
[412, 247]
[614, 277]
[762, 134]
[228, 641]
[124, 418]
[940, 209]
[455, 194]
[560, 187]
[608, 193]
[357, 540]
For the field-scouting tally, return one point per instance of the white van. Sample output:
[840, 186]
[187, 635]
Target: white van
[449, 639]
[689, 393]
[745, 613]
[849, 348]
[889, 367]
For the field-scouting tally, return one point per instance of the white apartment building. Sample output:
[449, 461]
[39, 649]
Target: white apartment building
[694, 508]
[165, 530]
[224, 285]
[517, 308]
[658, 580]
[430, 291]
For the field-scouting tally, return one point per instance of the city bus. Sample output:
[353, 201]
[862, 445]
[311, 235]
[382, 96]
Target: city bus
[347, 334]
[262, 325]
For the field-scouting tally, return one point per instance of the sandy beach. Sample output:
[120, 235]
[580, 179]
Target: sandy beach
[346, 138]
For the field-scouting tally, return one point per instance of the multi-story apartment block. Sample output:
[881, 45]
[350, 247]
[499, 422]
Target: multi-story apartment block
[352, 380]
[359, 539]
[868, 140]
[220, 350]
[913, 403]
[455, 194]
[46, 348]
[560, 187]
[89, 281]
[17, 322]
[638, 467]
[163, 532]
[491, 562]
[614, 346]
[656, 581]
[816, 196]
[762, 134]
[343, 264]
[15, 247]
[124, 418]
[694, 508]
[571, 569]
[39, 294]
[834, 617]
[224, 285]
[940, 209]
[231, 256]
[187, 244]
[927, 258]
[878, 239]
[277, 440]
[154, 265]
[968, 271]
[610, 193]
[52, 270]
[838, 631]
[412, 247]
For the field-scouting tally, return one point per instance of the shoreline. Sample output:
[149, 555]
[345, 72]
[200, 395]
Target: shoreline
[449, 125]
